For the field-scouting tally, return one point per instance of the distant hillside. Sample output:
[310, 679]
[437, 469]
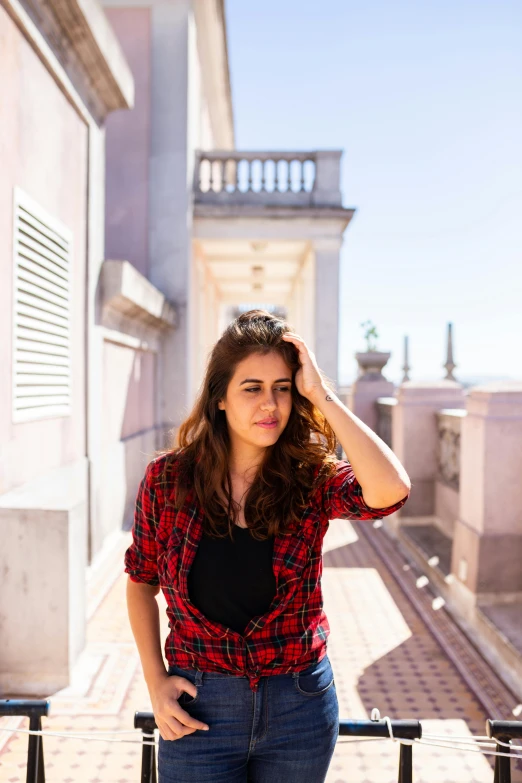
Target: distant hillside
[467, 380]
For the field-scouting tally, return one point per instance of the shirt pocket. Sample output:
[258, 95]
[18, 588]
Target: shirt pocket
[295, 559]
[169, 560]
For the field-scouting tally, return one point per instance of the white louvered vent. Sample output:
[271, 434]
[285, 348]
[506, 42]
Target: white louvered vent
[42, 315]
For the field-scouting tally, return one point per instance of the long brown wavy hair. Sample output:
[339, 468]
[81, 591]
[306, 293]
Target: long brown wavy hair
[278, 495]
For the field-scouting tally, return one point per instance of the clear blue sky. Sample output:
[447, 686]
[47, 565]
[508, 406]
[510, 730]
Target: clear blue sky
[425, 100]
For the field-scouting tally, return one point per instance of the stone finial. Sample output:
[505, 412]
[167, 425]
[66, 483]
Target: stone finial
[450, 364]
[406, 367]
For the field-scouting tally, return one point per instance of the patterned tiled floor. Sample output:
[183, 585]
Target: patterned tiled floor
[385, 648]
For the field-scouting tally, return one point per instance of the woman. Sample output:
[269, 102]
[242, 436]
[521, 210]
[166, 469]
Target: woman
[229, 524]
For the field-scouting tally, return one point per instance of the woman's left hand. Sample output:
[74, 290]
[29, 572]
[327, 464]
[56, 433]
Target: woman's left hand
[308, 379]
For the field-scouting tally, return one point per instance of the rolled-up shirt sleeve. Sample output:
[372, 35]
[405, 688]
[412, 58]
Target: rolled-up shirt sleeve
[343, 498]
[141, 557]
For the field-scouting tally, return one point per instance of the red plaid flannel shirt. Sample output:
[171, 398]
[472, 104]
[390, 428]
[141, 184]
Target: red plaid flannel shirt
[293, 633]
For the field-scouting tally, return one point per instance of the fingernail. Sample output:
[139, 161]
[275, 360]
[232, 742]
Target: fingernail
[206, 728]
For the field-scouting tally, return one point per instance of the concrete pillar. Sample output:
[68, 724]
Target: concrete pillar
[327, 190]
[325, 316]
[363, 395]
[170, 209]
[43, 557]
[487, 543]
[296, 304]
[415, 437]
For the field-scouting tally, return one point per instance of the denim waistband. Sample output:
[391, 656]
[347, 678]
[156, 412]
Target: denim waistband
[198, 674]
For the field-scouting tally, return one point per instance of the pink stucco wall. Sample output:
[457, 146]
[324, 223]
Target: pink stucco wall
[43, 150]
[128, 392]
[127, 146]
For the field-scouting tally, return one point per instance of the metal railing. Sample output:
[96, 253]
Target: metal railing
[34, 710]
[405, 732]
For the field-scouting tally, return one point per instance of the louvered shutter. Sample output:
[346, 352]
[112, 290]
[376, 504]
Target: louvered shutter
[42, 313]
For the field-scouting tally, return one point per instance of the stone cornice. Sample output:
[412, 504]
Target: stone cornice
[126, 292]
[81, 38]
[341, 214]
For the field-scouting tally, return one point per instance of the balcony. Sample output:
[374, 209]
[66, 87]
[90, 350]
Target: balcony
[269, 179]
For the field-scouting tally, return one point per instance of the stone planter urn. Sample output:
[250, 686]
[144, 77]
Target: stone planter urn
[371, 364]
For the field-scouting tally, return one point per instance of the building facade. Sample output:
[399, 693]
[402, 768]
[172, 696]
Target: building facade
[133, 231]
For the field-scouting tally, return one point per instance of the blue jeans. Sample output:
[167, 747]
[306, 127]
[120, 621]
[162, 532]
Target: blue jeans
[284, 733]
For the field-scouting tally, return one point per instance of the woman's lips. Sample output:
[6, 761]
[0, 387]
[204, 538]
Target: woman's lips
[267, 425]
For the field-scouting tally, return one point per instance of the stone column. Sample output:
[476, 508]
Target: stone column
[487, 544]
[326, 305]
[415, 437]
[170, 208]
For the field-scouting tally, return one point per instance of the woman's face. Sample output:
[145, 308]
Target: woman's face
[258, 400]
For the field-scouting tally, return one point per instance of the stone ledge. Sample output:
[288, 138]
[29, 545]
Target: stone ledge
[431, 543]
[62, 489]
[480, 624]
[127, 292]
[273, 212]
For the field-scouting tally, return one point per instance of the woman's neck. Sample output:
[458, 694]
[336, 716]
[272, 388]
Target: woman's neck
[245, 464]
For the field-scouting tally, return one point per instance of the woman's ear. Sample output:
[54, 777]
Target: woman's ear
[221, 405]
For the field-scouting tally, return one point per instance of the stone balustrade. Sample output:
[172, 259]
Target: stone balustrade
[462, 524]
[305, 179]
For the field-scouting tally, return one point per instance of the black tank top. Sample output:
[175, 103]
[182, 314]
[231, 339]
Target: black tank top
[232, 581]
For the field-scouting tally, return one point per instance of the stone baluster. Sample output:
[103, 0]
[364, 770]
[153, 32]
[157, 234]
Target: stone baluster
[200, 174]
[287, 177]
[211, 175]
[302, 175]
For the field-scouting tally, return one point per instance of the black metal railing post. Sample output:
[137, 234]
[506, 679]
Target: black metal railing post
[402, 729]
[145, 721]
[32, 709]
[405, 764]
[505, 731]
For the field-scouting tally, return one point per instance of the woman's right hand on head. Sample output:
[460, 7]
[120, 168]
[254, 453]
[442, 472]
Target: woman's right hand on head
[172, 720]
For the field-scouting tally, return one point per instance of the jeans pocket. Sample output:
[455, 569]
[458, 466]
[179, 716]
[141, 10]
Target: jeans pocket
[316, 679]
[185, 699]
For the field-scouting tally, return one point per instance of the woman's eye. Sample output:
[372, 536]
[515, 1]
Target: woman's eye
[279, 388]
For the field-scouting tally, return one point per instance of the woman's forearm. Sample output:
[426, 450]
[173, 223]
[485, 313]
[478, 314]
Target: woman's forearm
[383, 479]
[144, 620]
